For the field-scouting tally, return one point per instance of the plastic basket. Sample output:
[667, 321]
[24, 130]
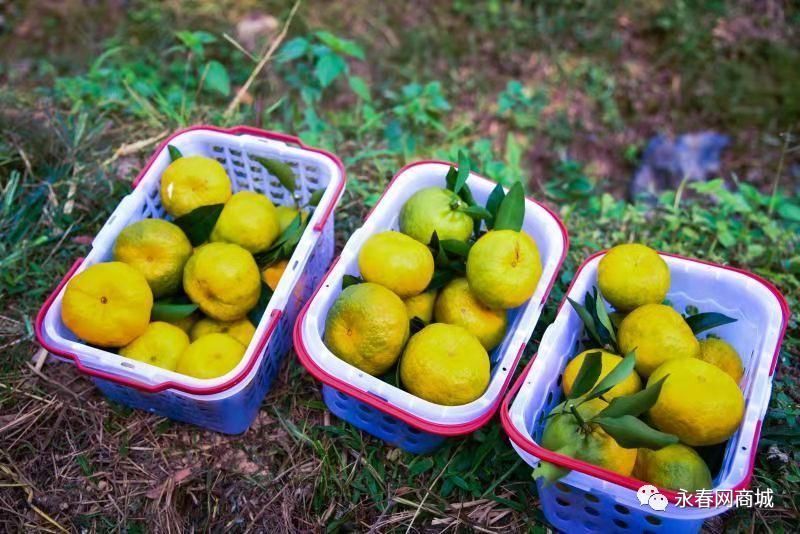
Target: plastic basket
[228, 403]
[380, 408]
[591, 499]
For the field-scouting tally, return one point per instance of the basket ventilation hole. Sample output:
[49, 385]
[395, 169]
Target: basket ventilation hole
[562, 502]
[563, 488]
[591, 510]
[653, 520]
[621, 509]
[128, 365]
[620, 523]
[591, 498]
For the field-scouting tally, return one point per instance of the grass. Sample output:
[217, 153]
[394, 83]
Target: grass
[565, 109]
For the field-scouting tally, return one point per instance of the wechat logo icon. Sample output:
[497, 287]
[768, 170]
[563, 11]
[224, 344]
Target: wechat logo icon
[649, 495]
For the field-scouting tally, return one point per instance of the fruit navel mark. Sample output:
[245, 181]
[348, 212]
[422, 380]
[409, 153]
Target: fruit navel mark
[103, 300]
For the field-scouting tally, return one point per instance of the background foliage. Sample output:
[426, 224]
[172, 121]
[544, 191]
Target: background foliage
[559, 96]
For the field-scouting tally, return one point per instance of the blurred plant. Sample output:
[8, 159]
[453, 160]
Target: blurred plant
[415, 110]
[569, 182]
[521, 107]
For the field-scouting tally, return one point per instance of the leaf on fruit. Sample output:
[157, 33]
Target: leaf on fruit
[284, 246]
[316, 197]
[588, 320]
[602, 315]
[174, 152]
[350, 280]
[456, 247]
[171, 311]
[587, 375]
[633, 433]
[463, 171]
[198, 223]
[708, 320]
[619, 373]
[415, 325]
[511, 212]
[493, 202]
[279, 170]
[635, 404]
[477, 213]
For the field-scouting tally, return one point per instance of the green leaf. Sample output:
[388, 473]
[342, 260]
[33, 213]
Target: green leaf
[450, 178]
[171, 311]
[174, 153]
[633, 433]
[198, 223]
[549, 473]
[257, 312]
[339, 45]
[476, 212]
[315, 197]
[634, 404]
[588, 321]
[216, 78]
[293, 49]
[511, 212]
[283, 246]
[454, 246]
[359, 87]
[442, 277]
[350, 280]
[279, 170]
[328, 68]
[463, 171]
[420, 465]
[495, 199]
[789, 211]
[619, 373]
[604, 319]
[587, 375]
[708, 320]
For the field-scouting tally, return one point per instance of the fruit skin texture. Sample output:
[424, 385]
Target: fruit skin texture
[675, 467]
[421, 306]
[211, 356]
[503, 268]
[632, 275]
[193, 181]
[367, 327]
[396, 262]
[272, 274]
[699, 403]
[457, 305]
[161, 345]
[658, 333]
[435, 209]
[241, 330]
[595, 446]
[156, 248]
[108, 304]
[720, 353]
[248, 220]
[630, 385]
[445, 364]
[223, 280]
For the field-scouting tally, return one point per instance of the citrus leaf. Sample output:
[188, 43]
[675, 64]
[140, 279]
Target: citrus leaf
[495, 199]
[602, 315]
[463, 171]
[450, 179]
[257, 312]
[439, 254]
[633, 433]
[619, 373]
[635, 404]
[283, 246]
[171, 311]
[586, 317]
[454, 246]
[706, 321]
[587, 375]
[198, 223]
[279, 170]
[511, 212]
[466, 195]
[315, 197]
[442, 277]
[350, 280]
[476, 212]
[174, 153]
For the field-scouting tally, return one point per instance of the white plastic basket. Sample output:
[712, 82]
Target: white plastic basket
[173, 394]
[590, 498]
[551, 238]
